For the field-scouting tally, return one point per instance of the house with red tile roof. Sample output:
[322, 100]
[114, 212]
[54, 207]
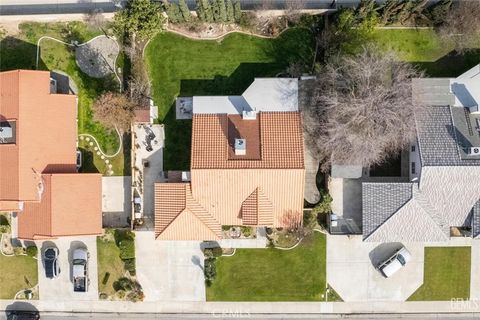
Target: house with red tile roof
[247, 165]
[38, 173]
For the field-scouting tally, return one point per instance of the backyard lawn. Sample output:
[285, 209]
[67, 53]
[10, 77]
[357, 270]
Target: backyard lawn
[19, 52]
[272, 274]
[446, 274]
[425, 49]
[15, 272]
[180, 66]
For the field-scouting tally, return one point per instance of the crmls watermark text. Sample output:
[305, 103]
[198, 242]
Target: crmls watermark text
[461, 304]
[226, 313]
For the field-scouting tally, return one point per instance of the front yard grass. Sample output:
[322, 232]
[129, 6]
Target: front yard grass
[19, 52]
[109, 262]
[185, 67]
[446, 274]
[272, 274]
[17, 273]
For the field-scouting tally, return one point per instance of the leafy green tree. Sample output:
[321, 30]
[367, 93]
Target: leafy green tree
[204, 10]
[230, 11]
[184, 10]
[221, 11]
[173, 13]
[237, 11]
[140, 19]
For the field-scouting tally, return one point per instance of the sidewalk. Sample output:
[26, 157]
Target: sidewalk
[247, 308]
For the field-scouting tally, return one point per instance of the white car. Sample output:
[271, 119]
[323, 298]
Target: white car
[398, 260]
[80, 270]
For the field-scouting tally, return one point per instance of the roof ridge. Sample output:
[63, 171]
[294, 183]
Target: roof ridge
[201, 213]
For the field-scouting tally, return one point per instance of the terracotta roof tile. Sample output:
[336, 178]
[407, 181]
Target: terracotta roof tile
[281, 142]
[71, 205]
[178, 216]
[45, 133]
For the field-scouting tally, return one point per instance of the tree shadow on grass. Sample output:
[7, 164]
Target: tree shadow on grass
[452, 64]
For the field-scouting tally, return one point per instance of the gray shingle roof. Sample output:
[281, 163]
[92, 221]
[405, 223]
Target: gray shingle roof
[433, 91]
[437, 138]
[380, 201]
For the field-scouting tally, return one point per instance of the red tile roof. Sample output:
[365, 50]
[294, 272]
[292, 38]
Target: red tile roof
[281, 142]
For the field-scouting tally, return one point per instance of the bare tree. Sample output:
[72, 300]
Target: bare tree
[462, 24]
[362, 108]
[114, 110]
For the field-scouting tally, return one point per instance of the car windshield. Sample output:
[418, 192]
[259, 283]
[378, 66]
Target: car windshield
[78, 261]
[401, 259]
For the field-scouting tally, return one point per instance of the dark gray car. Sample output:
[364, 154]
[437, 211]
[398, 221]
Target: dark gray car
[50, 260]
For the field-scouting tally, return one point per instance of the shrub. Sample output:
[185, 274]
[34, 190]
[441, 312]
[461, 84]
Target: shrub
[214, 252]
[103, 296]
[3, 220]
[246, 231]
[18, 251]
[129, 265]
[120, 294]
[269, 231]
[247, 20]
[124, 284]
[32, 251]
[135, 296]
[127, 249]
[226, 228]
[210, 270]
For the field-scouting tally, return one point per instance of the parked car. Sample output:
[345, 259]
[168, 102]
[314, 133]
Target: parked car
[80, 270]
[23, 315]
[396, 261]
[50, 260]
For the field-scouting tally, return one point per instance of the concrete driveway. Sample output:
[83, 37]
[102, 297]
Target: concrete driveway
[351, 271]
[169, 270]
[61, 288]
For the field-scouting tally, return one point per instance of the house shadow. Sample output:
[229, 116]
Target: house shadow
[18, 54]
[452, 64]
[178, 133]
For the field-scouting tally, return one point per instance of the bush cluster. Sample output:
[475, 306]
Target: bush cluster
[210, 271]
[213, 252]
[32, 251]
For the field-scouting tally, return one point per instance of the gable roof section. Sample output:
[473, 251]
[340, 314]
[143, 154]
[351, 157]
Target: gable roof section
[70, 205]
[45, 133]
[178, 216]
[380, 201]
[257, 209]
[437, 138]
[281, 142]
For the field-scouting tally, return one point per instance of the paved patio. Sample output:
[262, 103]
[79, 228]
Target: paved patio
[169, 270]
[97, 56]
[116, 201]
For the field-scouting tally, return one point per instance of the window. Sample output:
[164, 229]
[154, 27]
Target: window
[413, 167]
[413, 148]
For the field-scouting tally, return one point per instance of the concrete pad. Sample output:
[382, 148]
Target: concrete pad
[351, 270]
[116, 201]
[169, 270]
[475, 271]
[61, 288]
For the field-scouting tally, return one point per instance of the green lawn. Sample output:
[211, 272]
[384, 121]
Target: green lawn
[272, 274]
[14, 273]
[180, 66]
[425, 49]
[108, 262]
[446, 274]
[19, 52]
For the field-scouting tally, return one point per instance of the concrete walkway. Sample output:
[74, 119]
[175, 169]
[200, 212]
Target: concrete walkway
[475, 271]
[259, 242]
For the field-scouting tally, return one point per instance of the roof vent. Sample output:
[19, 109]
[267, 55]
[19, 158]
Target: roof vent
[240, 147]
[249, 115]
[474, 151]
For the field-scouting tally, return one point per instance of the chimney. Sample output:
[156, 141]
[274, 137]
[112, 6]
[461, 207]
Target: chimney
[240, 147]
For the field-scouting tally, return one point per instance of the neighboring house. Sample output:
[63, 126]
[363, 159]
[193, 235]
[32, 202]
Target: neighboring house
[38, 174]
[247, 165]
[443, 197]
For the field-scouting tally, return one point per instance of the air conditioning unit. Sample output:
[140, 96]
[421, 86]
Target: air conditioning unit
[475, 151]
